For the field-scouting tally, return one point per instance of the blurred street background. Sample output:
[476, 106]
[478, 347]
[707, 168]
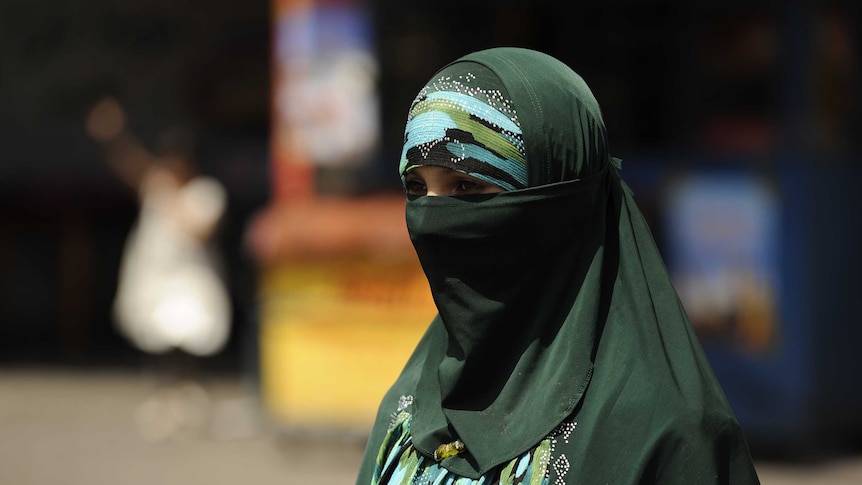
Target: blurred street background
[78, 428]
[204, 271]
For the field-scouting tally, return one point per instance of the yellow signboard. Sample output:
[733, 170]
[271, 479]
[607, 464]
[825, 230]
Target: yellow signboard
[336, 334]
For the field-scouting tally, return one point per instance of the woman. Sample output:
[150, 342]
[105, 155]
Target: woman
[561, 353]
[171, 301]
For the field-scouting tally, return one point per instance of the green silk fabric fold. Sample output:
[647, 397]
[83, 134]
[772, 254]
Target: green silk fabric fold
[554, 304]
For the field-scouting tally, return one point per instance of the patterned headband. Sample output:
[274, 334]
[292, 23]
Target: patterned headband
[466, 123]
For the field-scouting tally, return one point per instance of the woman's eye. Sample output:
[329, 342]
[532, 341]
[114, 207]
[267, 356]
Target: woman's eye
[415, 187]
[468, 186]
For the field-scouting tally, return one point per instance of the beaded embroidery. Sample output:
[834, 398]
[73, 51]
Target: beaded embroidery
[561, 465]
[404, 402]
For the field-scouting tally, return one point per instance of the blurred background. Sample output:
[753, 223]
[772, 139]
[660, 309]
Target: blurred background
[231, 166]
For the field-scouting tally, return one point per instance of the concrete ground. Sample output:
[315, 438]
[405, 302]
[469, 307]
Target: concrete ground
[102, 427]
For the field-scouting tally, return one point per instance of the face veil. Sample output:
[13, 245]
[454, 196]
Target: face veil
[517, 277]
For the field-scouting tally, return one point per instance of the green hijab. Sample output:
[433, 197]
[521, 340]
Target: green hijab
[554, 303]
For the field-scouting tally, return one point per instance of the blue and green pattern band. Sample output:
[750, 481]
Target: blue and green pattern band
[466, 123]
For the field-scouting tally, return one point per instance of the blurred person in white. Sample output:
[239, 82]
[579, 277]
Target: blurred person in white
[171, 300]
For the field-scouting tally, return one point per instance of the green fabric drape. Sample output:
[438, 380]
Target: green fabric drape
[555, 305]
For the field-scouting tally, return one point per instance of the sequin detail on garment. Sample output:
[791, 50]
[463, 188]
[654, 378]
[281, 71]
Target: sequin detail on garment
[404, 402]
[560, 465]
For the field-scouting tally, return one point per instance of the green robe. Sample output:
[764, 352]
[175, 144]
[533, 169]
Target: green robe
[555, 308]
